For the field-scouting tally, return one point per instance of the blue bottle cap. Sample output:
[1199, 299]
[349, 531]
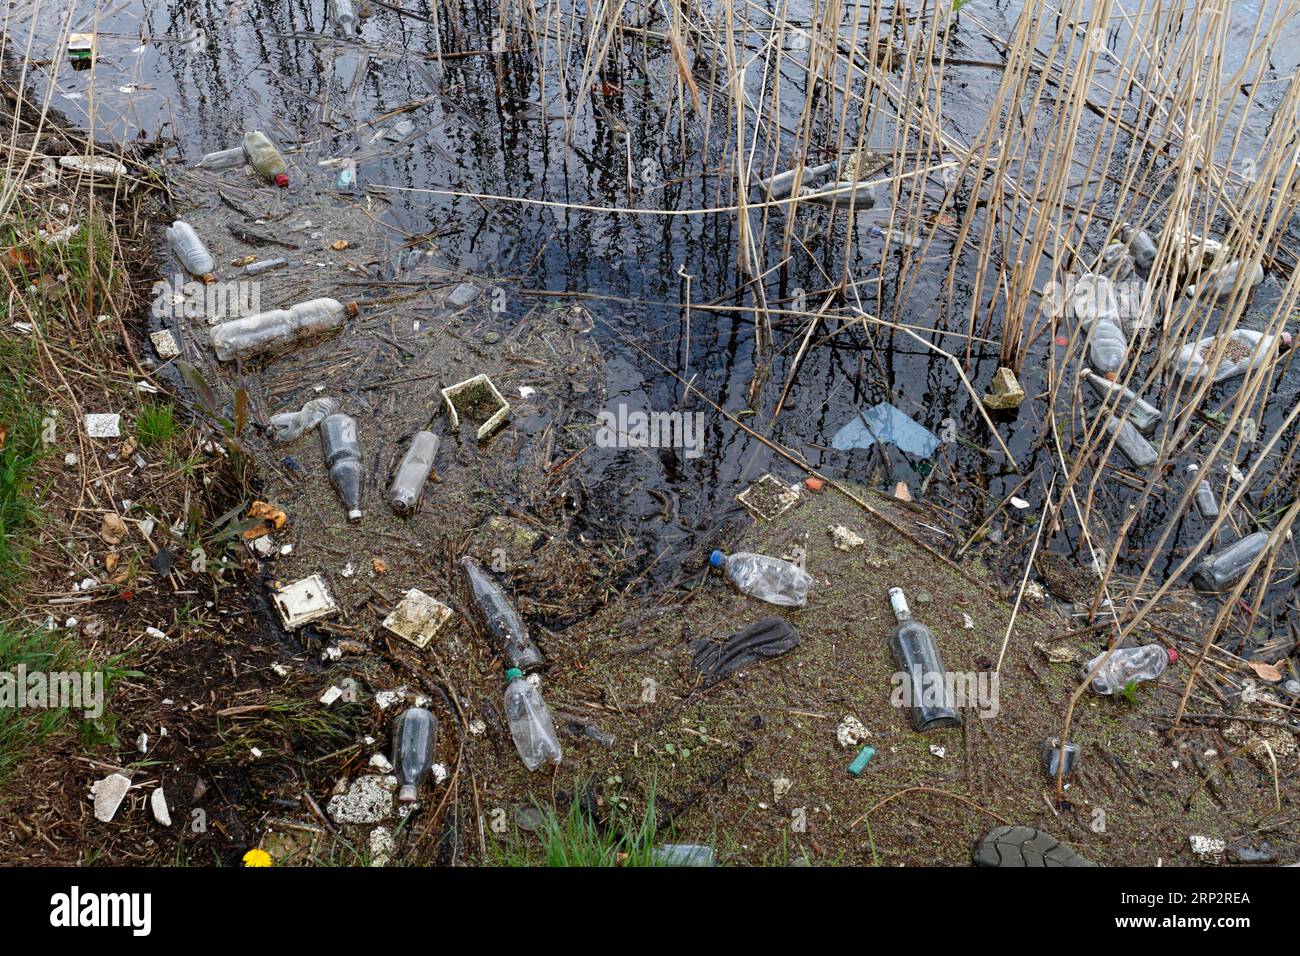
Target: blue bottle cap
[513, 673]
[716, 559]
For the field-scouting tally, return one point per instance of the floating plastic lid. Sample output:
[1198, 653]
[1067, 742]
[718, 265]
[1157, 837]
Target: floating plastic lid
[716, 559]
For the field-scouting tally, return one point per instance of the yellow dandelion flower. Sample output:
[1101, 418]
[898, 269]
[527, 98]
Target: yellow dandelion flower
[257, 858]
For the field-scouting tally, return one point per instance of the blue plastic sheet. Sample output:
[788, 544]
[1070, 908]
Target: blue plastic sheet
[892, 426]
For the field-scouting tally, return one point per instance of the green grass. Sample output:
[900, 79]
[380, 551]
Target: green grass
[576, 839]
[155, 424]
[38, 650]
[22, 449]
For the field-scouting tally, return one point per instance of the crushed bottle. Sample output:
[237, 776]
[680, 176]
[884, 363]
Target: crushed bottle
[768, 579]
[1220, 571]
[1142, 414]
[338, 437]
[927, 690]
[265, 331]
[501, 619]
[290, 426]
[1246, 349]
[1127, 665]
[265, 158]
[1129, 441]
[413, 472]
[415, 734]
[530, 722]
[189, 248]
[1051, 756]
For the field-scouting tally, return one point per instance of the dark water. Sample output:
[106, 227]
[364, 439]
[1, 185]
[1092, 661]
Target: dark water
[479, 127]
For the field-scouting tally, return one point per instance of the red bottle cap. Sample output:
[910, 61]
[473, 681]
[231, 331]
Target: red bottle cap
[282, 181]
[1172, 654]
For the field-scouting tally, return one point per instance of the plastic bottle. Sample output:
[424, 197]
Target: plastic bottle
[1117, 261]
[223, 159]
[289, 426]
[501, 619]
[1051, 756]
[1141, 245]
[263, 331]
[412, 472]
[1207, 505]
[1107, 346]
[1222, 278]
[414, 735]
[343, 18]
[347, 177]
[768, 579]
[917, 656]
[338, 438]
[1142, 414]
[189, 248]
[1192, 358]
[842, 194]
[781, 186]
[1220, 571]
[265, 265]
[265, 158]
[1127, 439]
[530, 722]
[1128, 664]
[684, 854]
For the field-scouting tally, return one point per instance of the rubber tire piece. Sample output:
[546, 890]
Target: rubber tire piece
[1024, 846]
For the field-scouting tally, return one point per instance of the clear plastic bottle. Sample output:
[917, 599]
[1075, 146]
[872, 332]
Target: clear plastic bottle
[1193, 358]
[1129, 664]
[265, 158]
[223, 159]
[1222, 278]
[781, 186]
[768, 579]
[860, 196]
[290, 426]
[189, 248]
[346, 180]
[412, 472]
[1207, 505]
[343, 18]
[415, 733]
[1222, 570]
[265, 265]
[918, 658]
[1107, 346]
[1142, 414]
[1117, 261]
[1141, 245]
[264, 331]
[684, 854]
[1129, 441]
[501, 619]
[338, 438]
[530, 722]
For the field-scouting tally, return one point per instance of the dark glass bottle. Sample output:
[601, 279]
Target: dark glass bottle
[918, 658]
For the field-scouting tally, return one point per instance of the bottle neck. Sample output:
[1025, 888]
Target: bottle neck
[898, 601]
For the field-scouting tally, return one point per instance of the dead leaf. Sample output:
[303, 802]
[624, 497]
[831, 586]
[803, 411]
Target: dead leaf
[112, 529]
[339, 246]
[1263, 671]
